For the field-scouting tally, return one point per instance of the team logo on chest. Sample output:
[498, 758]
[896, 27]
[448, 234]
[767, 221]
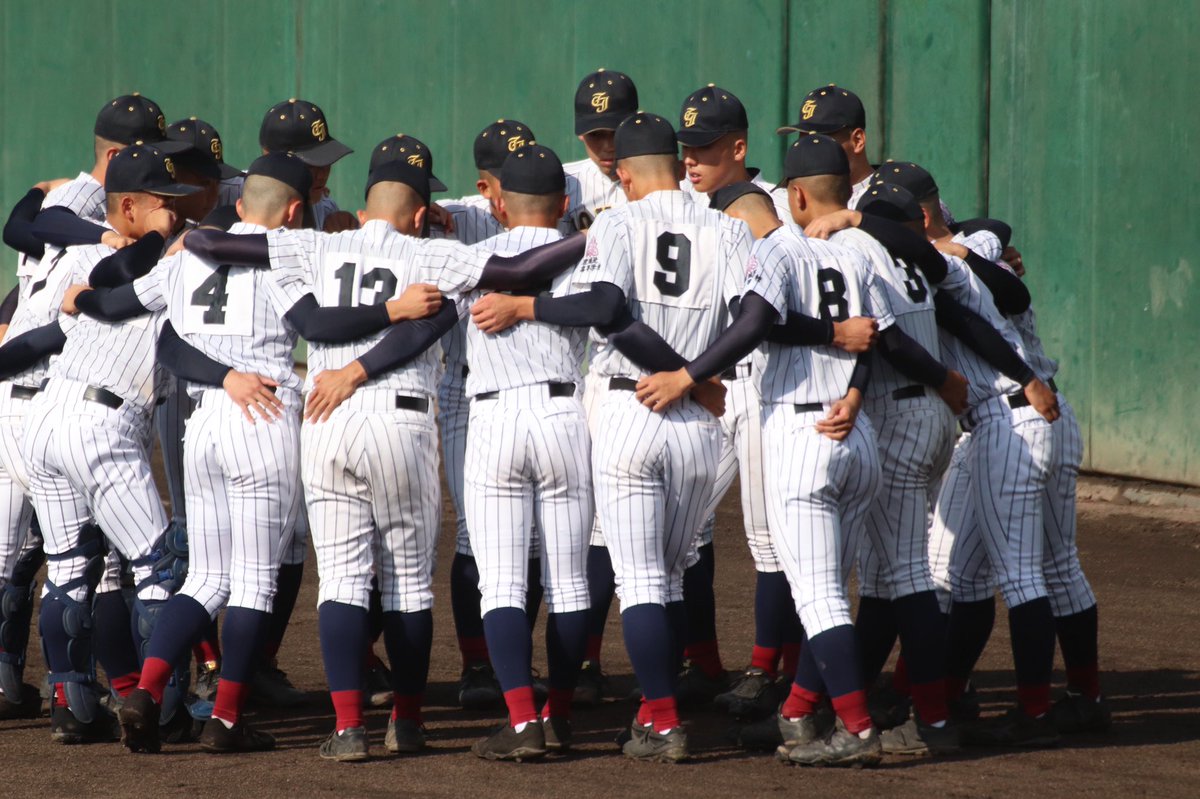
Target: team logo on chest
[600, 102]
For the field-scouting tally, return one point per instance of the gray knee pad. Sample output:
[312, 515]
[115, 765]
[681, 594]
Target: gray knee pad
[79, 684]
[16, 616]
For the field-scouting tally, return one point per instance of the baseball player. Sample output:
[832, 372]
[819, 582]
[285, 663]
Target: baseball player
[299, 127]
[838, 113]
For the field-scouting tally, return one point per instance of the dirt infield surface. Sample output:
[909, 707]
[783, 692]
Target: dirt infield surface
[1144, 565]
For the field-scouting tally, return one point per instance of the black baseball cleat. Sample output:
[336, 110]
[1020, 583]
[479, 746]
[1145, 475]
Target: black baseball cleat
[558, 733]
[752, 695]
[241, 737]
[1076, 713]
[888, 708]
[65, 728]
[26, 706]
[478, 688]
[696, 688]
[348, 746]
[915, 738]
[965, 709]
[138, 717]
[1015, 728]
[508, 744]
[404, 736]
[646, 744]
[841, 748]
[270, 687]
[590, 687]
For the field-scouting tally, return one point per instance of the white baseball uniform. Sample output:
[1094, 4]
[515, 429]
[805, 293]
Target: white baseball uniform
[84, 196]
[679, 265]
[589, 191]
[819, 490]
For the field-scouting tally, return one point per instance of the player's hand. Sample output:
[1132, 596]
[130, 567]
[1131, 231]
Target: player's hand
[47, 186]
[251, 391]
[494, 313]
[111, 238]
[1012, 257]
[437, 215]
[177, 245]
[954, 391]
[1043, 399]
[825, 226]
[162, 221]
[952, 248]
[842, 415]
[68, 304]
[856, 334]
[417, 302]
[339, 221]
[660, 389]
[710, 395]
[331, 388]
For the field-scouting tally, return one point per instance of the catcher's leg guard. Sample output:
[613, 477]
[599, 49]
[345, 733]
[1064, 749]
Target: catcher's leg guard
[168, 562]
[76, 622]
[16, 614]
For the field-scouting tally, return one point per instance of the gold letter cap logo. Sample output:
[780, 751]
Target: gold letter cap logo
[689, 117]
[514, 142]
[808, 109]
[318, 130]
[416, 160]
[170, 167]
[600, 102]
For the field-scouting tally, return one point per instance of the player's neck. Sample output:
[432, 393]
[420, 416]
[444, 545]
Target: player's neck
[644, 187]
[819, 210]
[99, 170]
[860, 169]
[532, 220]
[938, 232]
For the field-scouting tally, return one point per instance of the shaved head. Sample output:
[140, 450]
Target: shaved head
[389, 198]
[265, 197]
[827, 189]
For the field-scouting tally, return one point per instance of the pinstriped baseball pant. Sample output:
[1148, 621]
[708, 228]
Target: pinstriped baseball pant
[16, 511]
[453, 414]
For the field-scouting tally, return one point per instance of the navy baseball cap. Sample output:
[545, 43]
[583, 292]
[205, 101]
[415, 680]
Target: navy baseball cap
[533, 169]
[204, 152]
[602, 100]
[131, 118]
[890, 202]
[298, 126]
[401, 171]
[813, 155]
[645, 134]
[916, 179]
[497, 141]
[828, 109]
[724, 197]
[287, 168]
[141, 167]
[410, 149]
[708, 114]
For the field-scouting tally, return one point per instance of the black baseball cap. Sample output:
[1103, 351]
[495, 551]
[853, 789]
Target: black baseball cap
[708, 114]
[287, 168]
[724, 197]
[131, 118]
[814, 155]
[828, 109]
[410, 149]
[533, 169]
[298, 126]
[401, 171]
[602, 100]
[204, 152]
[497, 141]
[890, 202]
[916, 179]
[141, 167]
[645, 134]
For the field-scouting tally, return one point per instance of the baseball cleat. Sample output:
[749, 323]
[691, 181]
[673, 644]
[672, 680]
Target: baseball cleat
[28, 706]
[965, 709]
[404, 736]
[138, 717]
[478, 688]
[378, 685]
[589, 689]
[1076, 713]
[917, 739]
[1014, 728]
[752, 695]
[241, 737]
[557, 732]
[508, 744]
[207, 676]
[271, 687]
[696, 688]
[646, 744]
[841, 748]
[66, 729]
[888, 708]
[347, 746]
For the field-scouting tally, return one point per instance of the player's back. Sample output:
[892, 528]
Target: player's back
[83, 196]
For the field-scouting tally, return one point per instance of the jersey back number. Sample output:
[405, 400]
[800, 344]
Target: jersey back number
[351, 279]
[675, 267]
[219, 301]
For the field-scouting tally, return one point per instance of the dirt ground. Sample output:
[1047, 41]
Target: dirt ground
[1144, 565]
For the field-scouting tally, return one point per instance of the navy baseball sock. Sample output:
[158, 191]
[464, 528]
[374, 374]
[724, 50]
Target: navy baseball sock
[772, 600]
[835, 653]
[923, 644]
[343, 635]
[701, 603]
[566, 639]
[793, 634]
[807, 685]
[374, 612]
[601, 586]
[966, 636]
[677, 617]
[408, 638]
[1078, 636]
[875, 631]
[286, 590]
[1031, 625]
[112, 641]
[181, 623]
[533, 592]
[243, 630]
[648, 639]
[464, 603]
[511, 649]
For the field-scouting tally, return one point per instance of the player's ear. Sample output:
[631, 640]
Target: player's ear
[419, 219]
[238, 207]
[858, 139]
[739, 149]
[927, 216]
[294, 217]
[483, 187]
[362, 217]
[566, 203]
[110, 152]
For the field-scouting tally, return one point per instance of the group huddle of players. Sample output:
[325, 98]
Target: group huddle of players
[866, 365]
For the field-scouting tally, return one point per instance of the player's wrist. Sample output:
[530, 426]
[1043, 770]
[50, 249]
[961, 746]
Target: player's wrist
[356, 372]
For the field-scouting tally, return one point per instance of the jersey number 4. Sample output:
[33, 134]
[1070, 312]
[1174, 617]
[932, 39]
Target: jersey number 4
[212, 296]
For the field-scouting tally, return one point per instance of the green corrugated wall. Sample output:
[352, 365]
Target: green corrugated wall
[1075, 120]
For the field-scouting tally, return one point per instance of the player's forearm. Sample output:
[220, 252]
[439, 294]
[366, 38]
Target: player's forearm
[18, 230]
[598, 307]
[754, 321]
[531, 268]
[61, 227]
[218, 246]
[188, 363]
[1008, 291]
[800, 330]
[336, 325]
[30, 347]
[639, 343]
[903, 243]
[111, 305]
[909, 358]
[127, 264]
[406, 340]
[1001, 230]
[860, 376]
[978, 334]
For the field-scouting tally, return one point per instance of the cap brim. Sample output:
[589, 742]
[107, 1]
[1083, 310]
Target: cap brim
[173, 190]
[805, 130]
[699, 138]
[436, 185]
[782, 184]
[608, 121]
[230, 172]
[326, 153]
[171, 146]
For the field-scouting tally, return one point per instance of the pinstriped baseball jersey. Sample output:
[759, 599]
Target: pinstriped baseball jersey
[816, 278]
[589, 191]
[41, 296]
[232, 314]
[778, 196]
[530, 352]
[118, 357]
[984, 381]
[858, 189]
[351, 268]
[322, 208]
[679, 265]
[473, 223]
[84, 197]
[910, 299]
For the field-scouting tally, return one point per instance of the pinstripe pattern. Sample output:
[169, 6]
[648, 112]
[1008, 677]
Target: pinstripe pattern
[16, 511]
[955, 546]
[589, 192]
[170, 419]
[84, 197]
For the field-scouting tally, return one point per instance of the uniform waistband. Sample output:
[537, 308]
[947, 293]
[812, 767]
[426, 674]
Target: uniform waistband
[552, 389]
[738, 371]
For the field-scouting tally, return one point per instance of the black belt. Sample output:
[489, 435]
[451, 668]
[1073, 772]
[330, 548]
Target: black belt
[465, 371]
[418, 404]
[908, 392]
[23, 392]
[556, 390]
[622, 384]
[103, 396]
[732, 372]
[1019, 400]
[809, 407]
